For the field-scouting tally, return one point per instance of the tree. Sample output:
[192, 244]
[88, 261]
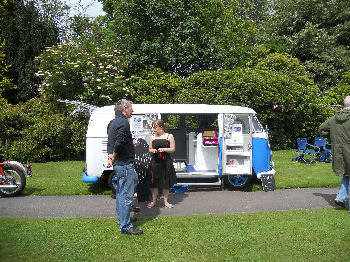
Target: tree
[26, 34]
[317, 33]
[179, 36]
[255, 10]
[5, 82]
[55, 13]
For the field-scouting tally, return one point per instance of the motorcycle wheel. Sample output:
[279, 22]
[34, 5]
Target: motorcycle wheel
[14, 176]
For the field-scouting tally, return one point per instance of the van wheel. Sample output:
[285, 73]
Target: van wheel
[237, 181]
[112, 181]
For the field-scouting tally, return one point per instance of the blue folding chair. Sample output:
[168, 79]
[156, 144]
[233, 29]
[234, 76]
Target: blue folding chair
[325, 153]
[307, 156]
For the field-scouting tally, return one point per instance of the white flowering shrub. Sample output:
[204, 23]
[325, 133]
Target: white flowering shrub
[84, 72]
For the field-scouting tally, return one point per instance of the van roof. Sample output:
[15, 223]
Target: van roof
[179, 109]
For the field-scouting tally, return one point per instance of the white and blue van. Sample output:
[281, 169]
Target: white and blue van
[214, 144]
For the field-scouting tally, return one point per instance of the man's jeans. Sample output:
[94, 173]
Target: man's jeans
[126, 182]
[344, 189]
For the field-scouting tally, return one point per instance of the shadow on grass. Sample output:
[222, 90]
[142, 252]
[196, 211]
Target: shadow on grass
[100, 188]
[32, 191]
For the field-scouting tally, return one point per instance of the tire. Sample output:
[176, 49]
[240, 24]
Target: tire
[111, 181]
[14, 176]
[237, 181]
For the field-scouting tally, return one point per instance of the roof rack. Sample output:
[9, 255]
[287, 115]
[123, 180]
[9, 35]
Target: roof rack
[81, 107]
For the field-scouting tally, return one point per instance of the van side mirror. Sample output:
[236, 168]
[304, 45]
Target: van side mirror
[267, 129]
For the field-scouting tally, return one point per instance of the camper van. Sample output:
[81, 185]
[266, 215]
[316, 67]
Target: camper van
[214, 144]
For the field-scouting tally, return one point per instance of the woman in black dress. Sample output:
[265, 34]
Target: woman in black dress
[162, 173]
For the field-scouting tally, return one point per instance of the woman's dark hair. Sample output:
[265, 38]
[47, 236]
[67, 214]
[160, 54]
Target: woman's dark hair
[159, 123]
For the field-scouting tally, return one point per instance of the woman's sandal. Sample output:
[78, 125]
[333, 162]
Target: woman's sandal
[150, 205]
[169, 206]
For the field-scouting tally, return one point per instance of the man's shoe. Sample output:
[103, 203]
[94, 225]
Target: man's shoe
[133, 231]
[340, 203]
[133, 219]
[135, 209]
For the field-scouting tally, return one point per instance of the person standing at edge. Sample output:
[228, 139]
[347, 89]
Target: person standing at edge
[121, 154]
[338, 128]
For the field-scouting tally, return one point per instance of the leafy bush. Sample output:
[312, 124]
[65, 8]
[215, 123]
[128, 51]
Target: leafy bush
[39, 131]
[291, 107]
[86, 71]
[336, 95]
[276, 87]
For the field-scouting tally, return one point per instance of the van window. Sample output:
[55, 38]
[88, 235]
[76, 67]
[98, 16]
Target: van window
[190, 122]
[244, 120]
[257, 126]
[236, 119]
[142, 124]
[172, 121]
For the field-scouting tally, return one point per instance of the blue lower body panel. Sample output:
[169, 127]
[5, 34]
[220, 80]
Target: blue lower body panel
[89, 179]
[261, 155]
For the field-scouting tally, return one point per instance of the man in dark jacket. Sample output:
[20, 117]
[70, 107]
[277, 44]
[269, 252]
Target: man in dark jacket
[121, 155]
[338, 128]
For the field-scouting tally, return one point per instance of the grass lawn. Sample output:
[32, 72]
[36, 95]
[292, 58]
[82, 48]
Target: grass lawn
[291, 174]
[317, 235]
[64, 178]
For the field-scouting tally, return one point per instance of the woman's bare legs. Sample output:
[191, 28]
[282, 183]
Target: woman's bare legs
[166, 195]
[154, 197]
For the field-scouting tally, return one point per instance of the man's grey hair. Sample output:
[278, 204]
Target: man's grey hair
[346, 102]
[119, 106]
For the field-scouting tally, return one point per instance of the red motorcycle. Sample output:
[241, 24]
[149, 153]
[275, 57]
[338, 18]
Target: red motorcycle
[13, 177]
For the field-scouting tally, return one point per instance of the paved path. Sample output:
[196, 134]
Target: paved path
[188, 203]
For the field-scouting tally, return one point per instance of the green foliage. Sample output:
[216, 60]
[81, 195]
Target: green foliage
[155, 87]
[26, 33]
[54, 12]
[177, 36]
[285, 100]
[276, 86]
[317, 33]
[40, 131]
[5, 83]
[336, 95]
[255, 10]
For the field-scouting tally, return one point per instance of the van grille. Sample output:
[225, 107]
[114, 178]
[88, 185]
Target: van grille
[104, 146]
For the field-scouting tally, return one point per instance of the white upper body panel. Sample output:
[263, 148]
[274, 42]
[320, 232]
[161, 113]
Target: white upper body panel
[100, 117]
[180, 109]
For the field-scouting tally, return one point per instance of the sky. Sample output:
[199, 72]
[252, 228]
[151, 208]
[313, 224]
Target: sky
[94, 10]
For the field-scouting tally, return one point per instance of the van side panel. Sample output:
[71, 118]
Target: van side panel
[96, 156]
